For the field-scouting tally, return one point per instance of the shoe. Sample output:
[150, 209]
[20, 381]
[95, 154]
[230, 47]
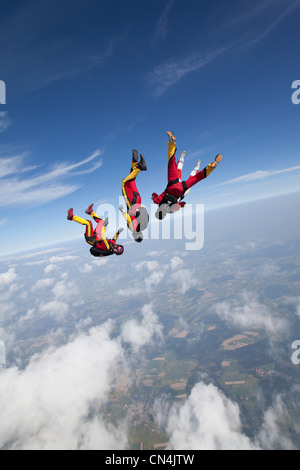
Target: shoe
[172, 137]
[70, 214]
[105, 222]
[89, 209]
[135, 155]
[218, 158]
[142, 164]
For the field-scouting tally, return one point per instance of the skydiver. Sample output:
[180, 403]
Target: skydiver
[170, 200]
[101, 246]
[137, 217]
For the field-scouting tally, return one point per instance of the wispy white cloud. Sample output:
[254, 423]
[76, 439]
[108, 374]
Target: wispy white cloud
[246, 312]
[150, 265]
[176, 262]
[168, 74]
[44, 187]
[185, 279]
[5, 122]
[55, 308]
[161, 27]
[152, 274]
[14, 164]
[72, 66]
[259, 175]
[42, 284]
[246, 14]
[67, 57]
[8, 277]
[256, 20]
[271, 26]
[140, 334]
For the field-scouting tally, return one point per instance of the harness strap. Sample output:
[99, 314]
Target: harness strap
[168, 199]
[170, 183]
[91, 240]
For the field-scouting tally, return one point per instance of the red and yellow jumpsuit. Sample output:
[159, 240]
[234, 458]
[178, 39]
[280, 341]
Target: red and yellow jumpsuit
[176, 188]
[132, 198]
[96, 237]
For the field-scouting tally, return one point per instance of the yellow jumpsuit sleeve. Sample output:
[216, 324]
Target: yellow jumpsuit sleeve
[128, 220]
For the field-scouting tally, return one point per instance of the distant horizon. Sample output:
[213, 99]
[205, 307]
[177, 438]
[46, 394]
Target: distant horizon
[80, 237]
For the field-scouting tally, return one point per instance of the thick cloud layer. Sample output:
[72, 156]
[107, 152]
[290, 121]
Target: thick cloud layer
[57, 400]
[206, 421]
[46, 406]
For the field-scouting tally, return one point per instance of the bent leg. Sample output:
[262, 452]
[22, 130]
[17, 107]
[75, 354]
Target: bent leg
[171, 149]
[133, 173]
[89, 226]
[95, 217]
[172, 169]
[193, 179]
[180, 165]
[129, 190]
[129, 186]
[196, 169]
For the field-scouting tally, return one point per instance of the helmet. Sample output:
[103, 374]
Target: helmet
[118, 249]
[160, 214]
[138, 236]
[142, 217]
[162, 211]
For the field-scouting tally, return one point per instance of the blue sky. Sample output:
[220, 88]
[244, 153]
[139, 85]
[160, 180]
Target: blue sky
[87, 81]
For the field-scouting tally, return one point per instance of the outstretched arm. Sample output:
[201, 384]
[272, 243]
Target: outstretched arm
[157, 199]
[126, 217]
[117, 234]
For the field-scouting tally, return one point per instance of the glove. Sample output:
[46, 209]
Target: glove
[105, 221]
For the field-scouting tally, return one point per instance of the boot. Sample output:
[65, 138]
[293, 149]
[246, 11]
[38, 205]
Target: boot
[70, 214]
[135, 155]
[142, 164]
[172, 137]
[89, 209]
